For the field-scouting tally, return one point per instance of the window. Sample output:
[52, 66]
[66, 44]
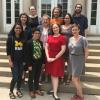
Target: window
[16, 3]
[8, 11]
[46, 7]
[93, 12]
[63, 5]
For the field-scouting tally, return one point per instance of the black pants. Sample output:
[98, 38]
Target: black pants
[16, 75]
[35, 75]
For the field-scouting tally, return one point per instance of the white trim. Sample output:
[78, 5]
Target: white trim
[7, 27]
[69, 6]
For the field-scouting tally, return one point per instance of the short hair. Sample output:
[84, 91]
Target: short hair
[32, 7]
[34, 30]
[78, 4]
[45, 15]
[75, 25]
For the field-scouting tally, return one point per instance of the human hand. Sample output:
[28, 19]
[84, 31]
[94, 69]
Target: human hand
[11, 63]
[30, 68]
[50, 59]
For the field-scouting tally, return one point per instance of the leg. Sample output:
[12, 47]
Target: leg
[76, 82]
[55, 81]
[36, 78]
[30, 83]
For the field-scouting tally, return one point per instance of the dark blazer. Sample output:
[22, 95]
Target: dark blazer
[29, 53]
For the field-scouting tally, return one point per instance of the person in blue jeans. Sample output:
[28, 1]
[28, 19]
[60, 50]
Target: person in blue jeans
[15, 48]
[34, 55]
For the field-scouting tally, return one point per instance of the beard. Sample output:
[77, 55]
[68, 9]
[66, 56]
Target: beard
[78, 11]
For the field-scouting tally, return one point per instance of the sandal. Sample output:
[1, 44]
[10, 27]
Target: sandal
[75, 97]
[39, 92]
[12, 96]
[19, 93]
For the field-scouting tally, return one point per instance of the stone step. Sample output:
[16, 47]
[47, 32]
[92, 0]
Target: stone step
[95, 46]
[93, 59]
[89, 76]
[88, 88]
[93, 52]
[3, 55]
[91, 67]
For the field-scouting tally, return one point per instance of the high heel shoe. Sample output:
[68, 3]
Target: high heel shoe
[56, 98]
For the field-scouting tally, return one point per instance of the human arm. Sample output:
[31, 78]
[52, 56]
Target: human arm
[9, 50]
[86, 53]
[47, 55]
[63, 48]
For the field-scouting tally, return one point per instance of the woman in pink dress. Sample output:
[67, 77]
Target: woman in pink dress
[55, 48]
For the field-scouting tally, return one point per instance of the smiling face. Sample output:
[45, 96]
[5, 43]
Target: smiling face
[78, 9]
[36, 35]
[32, 10]
[18, 30]
[46, 20]
[55, 29]
[23, 19]
[75, 30]
[67, 19]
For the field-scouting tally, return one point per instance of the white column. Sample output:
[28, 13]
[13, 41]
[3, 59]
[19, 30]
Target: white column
[70, 6]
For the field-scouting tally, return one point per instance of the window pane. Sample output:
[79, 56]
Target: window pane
[64, 12]
[43, 6]
[49, 6]
[16, 6]
[64, 5]
[16, 19]
[43, 12]
[8, 5]
[8, 20]
[94, 0]
[94, 6]
[93, 14]
[8, 13]
[17, 13]
[65, 0]
[93, 21]
[8, 0]
[49, 12]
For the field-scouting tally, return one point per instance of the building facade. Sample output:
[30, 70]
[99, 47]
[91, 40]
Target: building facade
[10, 10]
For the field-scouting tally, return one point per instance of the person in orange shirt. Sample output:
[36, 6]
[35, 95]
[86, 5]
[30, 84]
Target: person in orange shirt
[56, 16]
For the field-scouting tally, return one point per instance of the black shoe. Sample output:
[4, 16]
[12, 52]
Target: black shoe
[56, 98]
[50, 92]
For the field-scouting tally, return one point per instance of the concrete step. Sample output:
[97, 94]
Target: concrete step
[95, 46]
[91, 67]
[2, 43]
[93, 59]
[94, 52]
[88, 88]
[91, 77]
[3, 55]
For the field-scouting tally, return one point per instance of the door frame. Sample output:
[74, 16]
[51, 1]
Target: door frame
[7, 27]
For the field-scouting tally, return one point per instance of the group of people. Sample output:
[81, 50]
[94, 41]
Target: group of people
[37, 44]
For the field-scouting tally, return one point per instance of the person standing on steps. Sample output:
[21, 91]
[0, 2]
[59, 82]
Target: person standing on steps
[78, 53]
[54, 49]
[80, 19]
[15, 53]
[34, 57]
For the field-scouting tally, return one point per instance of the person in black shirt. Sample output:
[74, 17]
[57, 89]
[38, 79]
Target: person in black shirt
[15, 48]
[34, 20]
[34, 57]
[80, 19]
